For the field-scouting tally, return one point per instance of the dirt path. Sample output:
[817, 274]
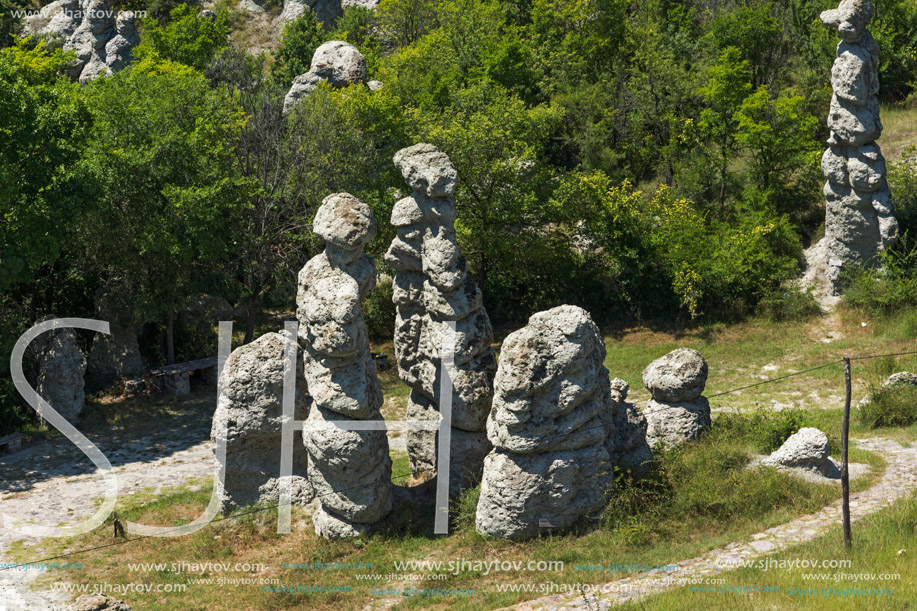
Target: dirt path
[899, 480]
[53, 482]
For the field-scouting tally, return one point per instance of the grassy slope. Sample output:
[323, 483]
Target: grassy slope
[878, 539]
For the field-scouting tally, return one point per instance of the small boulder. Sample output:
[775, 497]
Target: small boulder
[806, 449]
[98, 602]
[678, 376]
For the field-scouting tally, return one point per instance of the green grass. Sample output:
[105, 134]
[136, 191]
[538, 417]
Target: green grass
[700, 497]
[877, 542]
[900, 130]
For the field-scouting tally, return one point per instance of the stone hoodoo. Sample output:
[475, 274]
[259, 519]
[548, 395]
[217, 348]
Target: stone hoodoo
[101, 37]
[251, 406]
[338, 63]
[350, 470]
[115, 355]
[626, 427]
[432, 288]
[677, 412]
[549, 467]
[60, 366]
[859, 215]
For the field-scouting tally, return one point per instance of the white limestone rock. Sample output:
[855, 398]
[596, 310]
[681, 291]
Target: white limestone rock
[677, 376]
[672, 424]
[250, 406]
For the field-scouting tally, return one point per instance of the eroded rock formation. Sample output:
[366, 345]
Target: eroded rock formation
[859, 215]
[350, 470]
[251, 406]
[101, 38]
[626, 427]
[677, 412]
[116, 355]
[432, 288]
[60, 366]
[549, 467]
[338, 63]
[806, 449]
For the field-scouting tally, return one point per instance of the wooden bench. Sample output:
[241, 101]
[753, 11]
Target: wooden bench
[11, 443]
[176, 379]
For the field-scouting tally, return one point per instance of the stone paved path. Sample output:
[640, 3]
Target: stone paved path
[899, 480]
[54, 482]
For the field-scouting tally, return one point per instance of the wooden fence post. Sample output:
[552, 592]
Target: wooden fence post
[845, 477]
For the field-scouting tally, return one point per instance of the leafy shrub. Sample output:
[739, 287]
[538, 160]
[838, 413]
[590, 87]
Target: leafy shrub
[300, 38]
[888, 288]
[379, 312]
[769, 428]
[894, 405]
[788, 303]
[902, 178]
[185, 39]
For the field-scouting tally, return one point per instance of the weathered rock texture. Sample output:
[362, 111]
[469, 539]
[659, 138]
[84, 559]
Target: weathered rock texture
[549, 467]
[326, 11]
[350, 470]
[859, 215]
[902, 378]
[677, 412]
[432, 287]
[251, 405]
[59, 367]
[101, 38]
[626, 427]
[806, 449]
[336, 62]
[116, 355]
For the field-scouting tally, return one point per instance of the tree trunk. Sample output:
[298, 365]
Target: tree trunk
[170, 338]
[252, 312]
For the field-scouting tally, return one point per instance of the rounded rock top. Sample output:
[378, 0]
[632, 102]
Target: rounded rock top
[427, 169]
[676, 377]
[344, 221]
[850, 18]
[340, 62]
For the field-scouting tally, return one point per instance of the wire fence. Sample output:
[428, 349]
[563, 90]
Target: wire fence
[255, 510]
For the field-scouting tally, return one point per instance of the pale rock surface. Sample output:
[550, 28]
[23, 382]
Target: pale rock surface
[805, 449]
[350, 470]
[336, 62]
[250, 406]
[859, 214]
[678, 376]
[672, 424]
[432, 289]
[98, 602]
[60, 367]
[550, 466]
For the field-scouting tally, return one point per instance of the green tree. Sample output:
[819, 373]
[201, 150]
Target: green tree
[728, 84]
[42, 122]
[403, 22]
[779, 135]
[758, 36]
[186, 38]
[162, 150]
[300, 38]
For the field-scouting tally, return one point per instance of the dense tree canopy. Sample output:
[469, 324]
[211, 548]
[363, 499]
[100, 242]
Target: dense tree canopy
[642, 159]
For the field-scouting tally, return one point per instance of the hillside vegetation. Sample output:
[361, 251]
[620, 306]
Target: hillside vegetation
[645, 160]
